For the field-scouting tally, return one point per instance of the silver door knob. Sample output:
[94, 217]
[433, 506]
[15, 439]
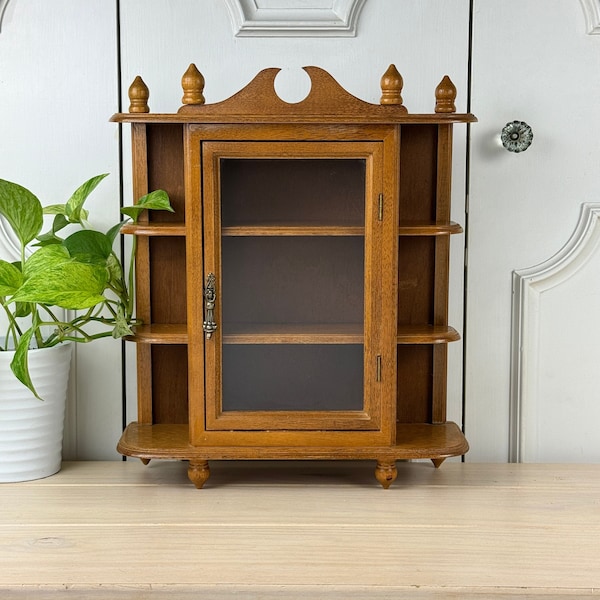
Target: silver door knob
[516, 136]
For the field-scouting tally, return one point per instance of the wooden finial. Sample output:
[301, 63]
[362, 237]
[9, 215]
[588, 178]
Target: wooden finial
[138, 96]
[391, 86]
[192, 83]
[445, 95]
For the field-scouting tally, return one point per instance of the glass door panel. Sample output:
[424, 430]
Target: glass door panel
[289, 258]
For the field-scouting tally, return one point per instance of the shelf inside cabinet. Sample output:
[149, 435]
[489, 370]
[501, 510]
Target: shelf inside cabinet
[154, 229]
[426, 334]
[160, 333]
[297, 229]
[418, 228]
[290, 333]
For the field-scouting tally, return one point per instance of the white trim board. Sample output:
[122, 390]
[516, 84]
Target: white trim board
[532, 334]
[591, 10]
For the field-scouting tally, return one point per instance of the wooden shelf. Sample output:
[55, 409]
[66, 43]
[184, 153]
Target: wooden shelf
[332, 334]
[428, 334]
[269, 333]
[155, 229]
[292, 230]
[160, 334]
[424, 228]
[405, 229]
[414, 441]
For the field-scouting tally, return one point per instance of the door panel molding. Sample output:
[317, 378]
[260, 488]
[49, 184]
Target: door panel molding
[543, 291]
[3, 5]
[275, 18]
[591, 10]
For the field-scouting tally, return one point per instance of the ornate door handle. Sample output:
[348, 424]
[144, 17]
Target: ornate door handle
[210, 297]
[516, 136]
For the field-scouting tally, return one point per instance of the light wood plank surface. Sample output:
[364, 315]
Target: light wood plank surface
[303, 530]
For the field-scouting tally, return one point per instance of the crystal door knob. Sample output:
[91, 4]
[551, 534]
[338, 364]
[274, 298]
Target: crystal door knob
[516, 136]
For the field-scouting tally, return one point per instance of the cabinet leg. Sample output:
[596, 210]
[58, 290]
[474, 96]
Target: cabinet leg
[386, 473]
[198, 472]
[145, 461]
[437, 462]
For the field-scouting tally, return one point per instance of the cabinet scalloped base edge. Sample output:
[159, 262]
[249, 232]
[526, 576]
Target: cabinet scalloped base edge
[419, 441]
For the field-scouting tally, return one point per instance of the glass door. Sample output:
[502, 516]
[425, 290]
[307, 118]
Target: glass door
[290, 289]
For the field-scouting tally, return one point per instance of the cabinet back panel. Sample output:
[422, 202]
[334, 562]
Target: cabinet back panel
[294, 377]
[169, 384]
[165, 168]
[415, 384]
[416, 261]
[418, 173]
[321, 191]
[168, 280]
[293, 280]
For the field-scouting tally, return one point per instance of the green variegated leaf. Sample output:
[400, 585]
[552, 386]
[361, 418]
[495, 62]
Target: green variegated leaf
[115, 273]
[50, 237]
[112, 233]
[23, 309]
[11, 278]
[45, 259]
[88, 245]
[75, 203]
[19, 364]
[55, 209]
[22, 210]
[156, 200]
[122, 327]
[71, 285]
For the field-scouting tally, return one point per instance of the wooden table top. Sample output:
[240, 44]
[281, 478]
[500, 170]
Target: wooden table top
[302, 529]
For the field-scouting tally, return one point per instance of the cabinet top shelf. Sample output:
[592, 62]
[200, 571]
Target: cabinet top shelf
[327, 102]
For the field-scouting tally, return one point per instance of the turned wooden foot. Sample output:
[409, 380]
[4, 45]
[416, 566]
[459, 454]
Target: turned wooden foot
[198, 472]
[145, 461]
[437, 462]
[386, 473]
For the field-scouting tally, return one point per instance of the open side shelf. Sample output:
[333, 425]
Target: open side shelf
[154, 229]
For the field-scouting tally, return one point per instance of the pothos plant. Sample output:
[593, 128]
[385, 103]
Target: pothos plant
[80, 272]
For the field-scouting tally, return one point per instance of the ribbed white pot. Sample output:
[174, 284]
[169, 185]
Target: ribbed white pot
[31, 430]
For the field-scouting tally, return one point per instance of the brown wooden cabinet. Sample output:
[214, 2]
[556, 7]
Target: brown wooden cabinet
[295, 304]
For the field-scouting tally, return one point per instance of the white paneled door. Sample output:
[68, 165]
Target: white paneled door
[532, 356]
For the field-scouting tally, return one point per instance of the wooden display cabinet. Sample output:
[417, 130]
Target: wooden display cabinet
[295, 304]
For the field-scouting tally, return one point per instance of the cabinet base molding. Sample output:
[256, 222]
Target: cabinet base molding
[415, 441]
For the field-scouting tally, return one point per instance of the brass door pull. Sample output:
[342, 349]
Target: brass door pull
[210, 297]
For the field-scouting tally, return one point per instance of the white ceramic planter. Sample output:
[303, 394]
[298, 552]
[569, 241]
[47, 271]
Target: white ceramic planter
[31, 430]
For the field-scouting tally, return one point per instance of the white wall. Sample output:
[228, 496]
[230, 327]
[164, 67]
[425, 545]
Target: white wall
[58, 88]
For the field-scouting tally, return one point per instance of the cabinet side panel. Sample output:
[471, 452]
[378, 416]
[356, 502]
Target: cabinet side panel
[169, 384]
[165, 168]
[418, 173]
[415, 384]
[416, 263]
[168, 280]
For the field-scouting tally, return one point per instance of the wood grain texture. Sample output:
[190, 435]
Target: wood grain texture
[325, 227]
[303, 529]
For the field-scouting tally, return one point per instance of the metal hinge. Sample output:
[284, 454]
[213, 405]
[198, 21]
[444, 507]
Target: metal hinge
[380, 208]
[378, 368]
